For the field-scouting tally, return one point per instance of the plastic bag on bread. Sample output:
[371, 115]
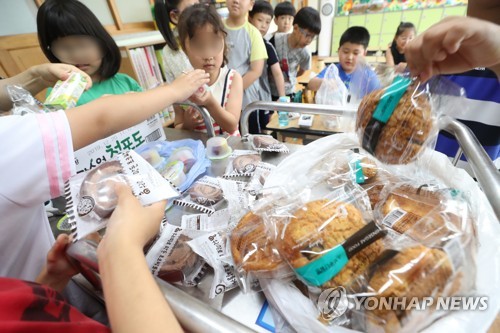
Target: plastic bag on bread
[302, 311]
[397, 123]
[23, 102]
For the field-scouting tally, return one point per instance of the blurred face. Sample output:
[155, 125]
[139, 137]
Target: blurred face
[206, 50]
[302, 37]
[83, 52]
[261, 21]
[404, 39]
[175, 14]
[239, 8]
[284, 22]
[349, 54]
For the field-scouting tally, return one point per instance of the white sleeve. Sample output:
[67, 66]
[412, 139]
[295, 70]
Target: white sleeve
[37, 157]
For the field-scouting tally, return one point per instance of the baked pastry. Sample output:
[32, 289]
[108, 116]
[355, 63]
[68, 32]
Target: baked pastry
[204, 194]
[251, 247]
[180, 262]
[426, 216]
[264, 141]
[97, 193]
[417, 271]
[246, 163]
[320, 226]
[400, 139]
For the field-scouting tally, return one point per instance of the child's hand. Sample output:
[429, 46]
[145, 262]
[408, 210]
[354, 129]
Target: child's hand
[58, 269]
[187, 84]
[203, 99]
[193, 117]
[51, 73]
[454, 45]
[131, 225]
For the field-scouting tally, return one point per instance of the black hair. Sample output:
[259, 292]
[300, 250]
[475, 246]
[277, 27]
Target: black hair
[356, 35]
[284, 8]
[61, 18]
[402, 27]
[162, 10]
[308, 18]
[262, 6]
[196, 17]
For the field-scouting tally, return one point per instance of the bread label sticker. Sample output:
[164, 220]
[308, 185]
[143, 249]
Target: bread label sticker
[393, 217]
[390, 99]
[357, 171]
[324, 268]
[455, 253]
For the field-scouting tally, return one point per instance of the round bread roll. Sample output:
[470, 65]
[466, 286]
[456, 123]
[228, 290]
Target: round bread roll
[417, 271]
[246, 163]
[97, 193]
[320, 226]
[406, 131]
[252, 249]
[205, 194]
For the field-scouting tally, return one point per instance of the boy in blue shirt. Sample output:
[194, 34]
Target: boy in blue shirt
[352, 47]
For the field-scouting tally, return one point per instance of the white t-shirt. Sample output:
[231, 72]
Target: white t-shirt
[36, 159]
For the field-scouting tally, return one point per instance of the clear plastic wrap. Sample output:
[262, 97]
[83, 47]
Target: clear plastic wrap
[468, 249]
[91, 197]
[332, 90]
[396, 123]
[205, 195]
[172, 259]
[242, 163]
[181, 161]
[23, 102]
[259, 177]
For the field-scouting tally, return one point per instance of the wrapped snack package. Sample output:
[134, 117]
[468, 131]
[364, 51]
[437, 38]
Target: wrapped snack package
[91, 197]
[254, 253]
[242, 163]
[395, 123]
[213, 248]
[414, 276]
[205, 195]
[172, 260]
[427, 216]
[328, 243]
[66, 94]
[181, 161]
[259, 178]
[332, 90]
[267, 143]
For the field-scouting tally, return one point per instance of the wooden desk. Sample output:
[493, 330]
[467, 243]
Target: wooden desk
[317, 129]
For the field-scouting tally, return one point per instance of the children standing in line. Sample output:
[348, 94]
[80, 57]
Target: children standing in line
[167, 13]
[70, 33]
[292, 50]
[352, 47]
[247, 53]
[261, 16]
[284, 13]
[395, 54]
[202, 37]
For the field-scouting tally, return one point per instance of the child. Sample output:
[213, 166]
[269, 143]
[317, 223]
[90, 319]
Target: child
[261, 16]
[352, 48]
[70, 33]
[38, 158]
[284, 14]
[247, 53]
[395, 54]
[167, 13]
[202, 37]
[292, 51]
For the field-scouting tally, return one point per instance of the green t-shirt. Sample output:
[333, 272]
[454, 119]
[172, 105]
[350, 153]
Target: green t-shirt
[117, 85]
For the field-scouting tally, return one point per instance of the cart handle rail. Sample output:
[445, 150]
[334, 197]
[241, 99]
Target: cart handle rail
[207, 119]
[485, 171]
